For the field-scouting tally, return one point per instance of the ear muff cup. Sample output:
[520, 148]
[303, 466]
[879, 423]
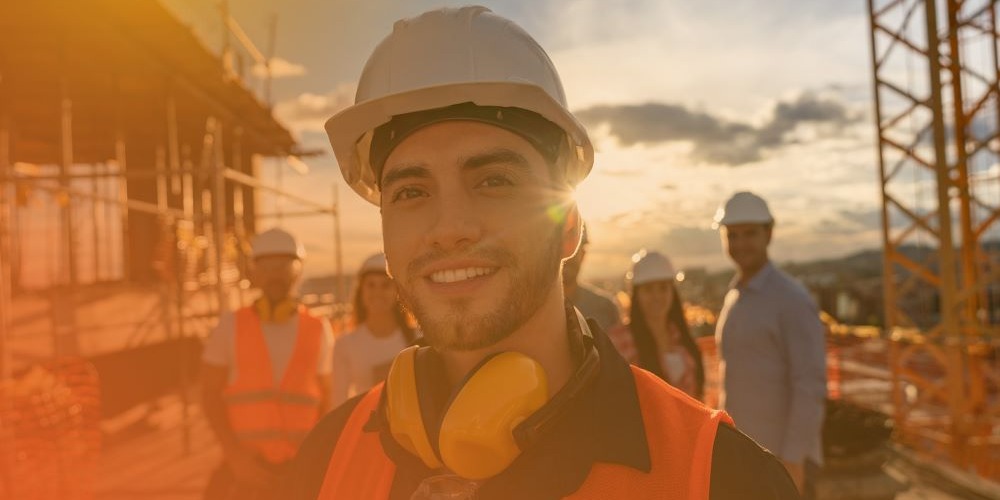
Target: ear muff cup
[477, 430]
[475, 434]
[403, 408]
[278, 313]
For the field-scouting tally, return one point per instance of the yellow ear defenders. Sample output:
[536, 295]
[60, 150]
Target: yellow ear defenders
[499, 410]
[276, 313]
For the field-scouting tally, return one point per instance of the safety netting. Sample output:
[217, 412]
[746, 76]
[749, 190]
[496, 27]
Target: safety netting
[50, 437]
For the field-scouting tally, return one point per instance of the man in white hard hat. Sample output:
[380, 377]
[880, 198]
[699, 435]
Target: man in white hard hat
[265, 375]
[592, 302]
[460, 133]
[771, 345]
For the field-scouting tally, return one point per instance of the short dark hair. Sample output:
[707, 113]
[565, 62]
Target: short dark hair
[547, 137]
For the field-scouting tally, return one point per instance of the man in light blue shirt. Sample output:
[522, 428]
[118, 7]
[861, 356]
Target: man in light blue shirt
[771, 346]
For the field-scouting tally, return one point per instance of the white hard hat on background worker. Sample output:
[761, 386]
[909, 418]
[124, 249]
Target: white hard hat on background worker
[648, 267]
[276, 241]
[373, 264]
[399, 78]
[743, 207]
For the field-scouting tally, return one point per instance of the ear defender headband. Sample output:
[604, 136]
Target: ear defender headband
[500, 409]
[277, 313]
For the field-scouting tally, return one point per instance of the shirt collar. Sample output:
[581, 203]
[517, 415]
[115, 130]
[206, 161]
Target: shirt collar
[757, 282]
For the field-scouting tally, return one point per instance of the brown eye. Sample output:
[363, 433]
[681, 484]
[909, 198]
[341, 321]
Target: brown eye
[496, 181]
[407, 193]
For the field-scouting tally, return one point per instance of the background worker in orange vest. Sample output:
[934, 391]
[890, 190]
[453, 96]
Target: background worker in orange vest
[461, 134]
[266, 374]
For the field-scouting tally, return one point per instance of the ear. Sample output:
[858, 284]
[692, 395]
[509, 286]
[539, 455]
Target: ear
[571, 231]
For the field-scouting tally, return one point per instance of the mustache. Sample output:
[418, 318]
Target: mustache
[495, 255]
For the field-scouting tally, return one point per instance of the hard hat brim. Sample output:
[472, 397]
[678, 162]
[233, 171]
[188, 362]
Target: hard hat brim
[349, 130]
[741, 220]
[671, 279]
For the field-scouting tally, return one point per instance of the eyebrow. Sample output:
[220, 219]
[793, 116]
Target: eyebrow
[420, 171]
[408, 172]
[500, 155]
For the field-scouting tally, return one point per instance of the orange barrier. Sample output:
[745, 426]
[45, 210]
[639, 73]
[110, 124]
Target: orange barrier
[856, 370]
[50, 434]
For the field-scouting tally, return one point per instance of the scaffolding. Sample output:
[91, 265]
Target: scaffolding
[937, 105]
[128, 155]
[130, 183]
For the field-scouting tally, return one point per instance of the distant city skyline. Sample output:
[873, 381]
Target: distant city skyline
[685, 102]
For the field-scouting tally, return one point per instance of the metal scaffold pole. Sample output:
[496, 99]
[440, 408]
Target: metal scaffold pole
[5, 254]
[949, 325]
[338, 249]
[219, 214]
[63, 304]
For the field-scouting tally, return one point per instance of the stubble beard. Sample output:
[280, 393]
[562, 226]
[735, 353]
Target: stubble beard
[459, 328]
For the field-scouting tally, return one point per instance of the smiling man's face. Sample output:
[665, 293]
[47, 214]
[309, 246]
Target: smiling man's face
[473, 231]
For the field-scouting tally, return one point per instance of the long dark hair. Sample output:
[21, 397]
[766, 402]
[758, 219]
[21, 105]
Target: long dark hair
[402, 319]
[646, 346]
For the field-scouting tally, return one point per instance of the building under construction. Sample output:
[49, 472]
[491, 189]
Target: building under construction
[129, 181]
[130, 157]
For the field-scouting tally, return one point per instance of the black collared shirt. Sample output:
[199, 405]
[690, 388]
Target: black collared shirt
[603, 424]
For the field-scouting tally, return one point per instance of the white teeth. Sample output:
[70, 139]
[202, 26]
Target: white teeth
[453, 275]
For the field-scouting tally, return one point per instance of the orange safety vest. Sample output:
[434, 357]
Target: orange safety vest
[274, 419]
[680, 434]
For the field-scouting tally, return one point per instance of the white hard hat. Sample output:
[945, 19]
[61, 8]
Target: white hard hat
[373, 264]
[648, 267]
[447, 57]
[743, 208]
[276, 242]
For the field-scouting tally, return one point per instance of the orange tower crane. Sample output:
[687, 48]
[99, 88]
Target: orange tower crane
[937, 106]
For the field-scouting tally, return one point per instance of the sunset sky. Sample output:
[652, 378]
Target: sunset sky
[686, 103]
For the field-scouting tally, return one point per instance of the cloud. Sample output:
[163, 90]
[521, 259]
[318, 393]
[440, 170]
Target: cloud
[280, 68]
[715, 139]
[308, 111]
[863, 219]
[690, 241]
[314, 139]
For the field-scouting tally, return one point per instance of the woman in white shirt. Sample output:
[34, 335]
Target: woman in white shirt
[657, 337]
[361, 357]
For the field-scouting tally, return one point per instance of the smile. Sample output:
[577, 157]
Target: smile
[455, 275]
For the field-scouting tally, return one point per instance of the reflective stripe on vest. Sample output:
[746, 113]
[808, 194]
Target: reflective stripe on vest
[680, 434]
[284, 397]
[274, 419]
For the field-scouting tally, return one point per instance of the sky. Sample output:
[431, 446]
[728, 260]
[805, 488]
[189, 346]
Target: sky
[686, 103]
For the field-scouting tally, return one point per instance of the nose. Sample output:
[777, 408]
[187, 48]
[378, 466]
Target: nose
[456, 225]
